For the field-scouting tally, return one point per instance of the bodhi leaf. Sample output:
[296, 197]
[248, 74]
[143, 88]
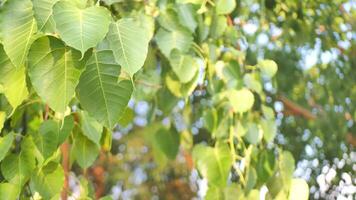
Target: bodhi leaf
[268, 68]
[225, 6]
[9, 191]
[168, 142]
[184, 66]
[254, 133]
[2, 120]
[13, 80]
[5, 144]
[43, 14]
[91, 128]
[17, 168]
[84, 150]
[99, 91]
[48, 181]
[46, 139]
[240, 100]
[54, 70]
[299, 190]
[169, 40]
[17, 26]
[179, 89]
[129, 42]
[214, 163]
[81, 28]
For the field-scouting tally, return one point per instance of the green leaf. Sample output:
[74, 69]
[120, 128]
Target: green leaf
[184, 66]
[213, 163]
[286, 166]
[129, 43]
[54, 70]
[251, 179]
[269, 128]
[2, 120]
[99, 91]
[66, 129]
[225, 6]
[268, 67]
[240, 100]
[48, 181]
[9, 191]
[168, 142]
[43, 14]
[81, 28]
[254, 133]
[13, 80]
[17, 26]
[18, 168]
[5, 144]
[187, 17]
[84, 150]
[46, 139]
[179, 89]
[299, 190]
[91, 128]
[177, 39]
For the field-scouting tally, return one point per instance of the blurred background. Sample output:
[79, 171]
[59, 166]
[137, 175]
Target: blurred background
[314, 93]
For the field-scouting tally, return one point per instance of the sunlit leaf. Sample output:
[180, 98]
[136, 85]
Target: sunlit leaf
[129, 44]
[81, 28]
[17, 26]
[53, 65]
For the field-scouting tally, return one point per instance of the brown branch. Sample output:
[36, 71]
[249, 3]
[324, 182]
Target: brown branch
[294, 109]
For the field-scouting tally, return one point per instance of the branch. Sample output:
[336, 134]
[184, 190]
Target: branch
[295, 109]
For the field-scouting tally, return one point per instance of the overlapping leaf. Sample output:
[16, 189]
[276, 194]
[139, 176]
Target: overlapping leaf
[81, 28]
[17, 26]
[43, 14]
[54, 70]
[13, 80]
[99, 91]
[129, 43]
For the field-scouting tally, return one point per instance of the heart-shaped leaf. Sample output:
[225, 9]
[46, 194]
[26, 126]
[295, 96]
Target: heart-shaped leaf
[17, 26]
[99, 91]
[184, 66]
[81, 28]
[13, 80]
[54, 70]
[129, 42]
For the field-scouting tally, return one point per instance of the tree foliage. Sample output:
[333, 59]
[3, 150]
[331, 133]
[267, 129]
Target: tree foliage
[72, 71]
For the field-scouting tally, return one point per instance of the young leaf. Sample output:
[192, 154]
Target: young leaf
[129, 43]
[241, 100]
[81, 28]
[213, 163]
[99, 91]
[54, 70]
[169, 40]
[17, 26]
[268, 67]
[299, 190]
[184, 66]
